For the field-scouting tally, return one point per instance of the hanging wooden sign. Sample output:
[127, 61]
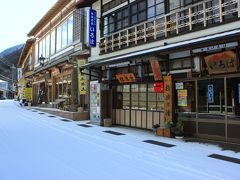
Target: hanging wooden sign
[223, 62]
[126, 78]
[168, 109]
[156, 70]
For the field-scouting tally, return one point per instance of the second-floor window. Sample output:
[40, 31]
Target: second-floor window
[57, 39]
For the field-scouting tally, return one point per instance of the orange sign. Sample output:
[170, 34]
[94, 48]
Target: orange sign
[156, 70]
[223, 62]
[126, 78]
[168, 110]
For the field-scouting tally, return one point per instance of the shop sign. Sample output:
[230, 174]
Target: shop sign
[156, 70]
[168, 110]
[179, 85]
[28, 94]
[91, 27]
[126, 78]
[215, 47]
[210, 93]
[158, 87]
[221, 62]
[82, 85]
[182, 97]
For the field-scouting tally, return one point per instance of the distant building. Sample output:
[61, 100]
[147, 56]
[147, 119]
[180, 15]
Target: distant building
[3, 88]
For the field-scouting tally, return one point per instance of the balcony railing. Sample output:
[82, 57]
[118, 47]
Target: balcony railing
[197, 16]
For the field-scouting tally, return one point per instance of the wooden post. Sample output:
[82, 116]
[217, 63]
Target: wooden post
[145, 32]
[238, 7]
[165, 26]
[220, 11]
[190, 19]
[154, 30]
[74, 96]
[204, 15]
[177, 23]
[135, 34]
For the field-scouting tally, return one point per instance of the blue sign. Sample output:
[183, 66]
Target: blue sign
[210, 93]
[92, 27]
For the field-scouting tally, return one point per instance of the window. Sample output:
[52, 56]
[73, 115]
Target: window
[64, 34]
[36, 53]
[59, 38]
[53, 42]
[120, 19]
[155, 8]
[126, 96]
[70, 30]
[47, 46]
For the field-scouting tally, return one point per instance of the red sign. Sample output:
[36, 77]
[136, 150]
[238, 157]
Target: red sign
[156, 70]
[159, 87]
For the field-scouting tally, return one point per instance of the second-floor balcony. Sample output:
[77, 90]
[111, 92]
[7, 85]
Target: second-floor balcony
[199, 16]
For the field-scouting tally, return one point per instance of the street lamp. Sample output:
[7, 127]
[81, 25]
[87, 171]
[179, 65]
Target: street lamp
[41, 60]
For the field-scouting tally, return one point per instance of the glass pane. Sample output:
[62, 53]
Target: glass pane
[47, 45]
[151, 106]
[142, 6]
[70, 30]
[174, 4]
[151, 3]
[64, 34]
[134, 9]
[233, 98]
[160, 9]
[36, 53]
[141, 16]
[53, 42]
[59, 38]
[134, 19]
[211, 98]
[151, 12]
[126, 88]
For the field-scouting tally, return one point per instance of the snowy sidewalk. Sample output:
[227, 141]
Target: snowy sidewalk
[36, 145]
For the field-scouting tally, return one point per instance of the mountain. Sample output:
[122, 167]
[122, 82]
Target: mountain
[8, 58]
[11, 49]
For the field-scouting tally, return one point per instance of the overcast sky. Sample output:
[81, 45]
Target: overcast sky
[17, 18]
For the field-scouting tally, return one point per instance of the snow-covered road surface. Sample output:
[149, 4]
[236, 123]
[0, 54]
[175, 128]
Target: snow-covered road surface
[34, 146]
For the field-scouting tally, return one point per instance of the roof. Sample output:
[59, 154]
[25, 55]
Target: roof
[25, 51]
[54, 10]
[187, 43]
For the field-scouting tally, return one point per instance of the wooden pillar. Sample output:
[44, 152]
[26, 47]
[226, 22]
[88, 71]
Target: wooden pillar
[74, 96]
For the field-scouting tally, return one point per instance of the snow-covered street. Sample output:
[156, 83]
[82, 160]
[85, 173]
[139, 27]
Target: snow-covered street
[36, 146]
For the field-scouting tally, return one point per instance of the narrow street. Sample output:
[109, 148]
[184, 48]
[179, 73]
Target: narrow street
[36, 146]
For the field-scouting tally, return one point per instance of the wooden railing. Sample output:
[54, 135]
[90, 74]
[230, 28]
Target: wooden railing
[197, 16]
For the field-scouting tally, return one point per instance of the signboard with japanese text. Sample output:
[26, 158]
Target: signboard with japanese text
[156, 70]
[82, 83]
[126, 78]
[223, 62]
[28, 94]
[92, 27]
[182, 97]
[210, 94]
[168, 109]
[179, 85]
